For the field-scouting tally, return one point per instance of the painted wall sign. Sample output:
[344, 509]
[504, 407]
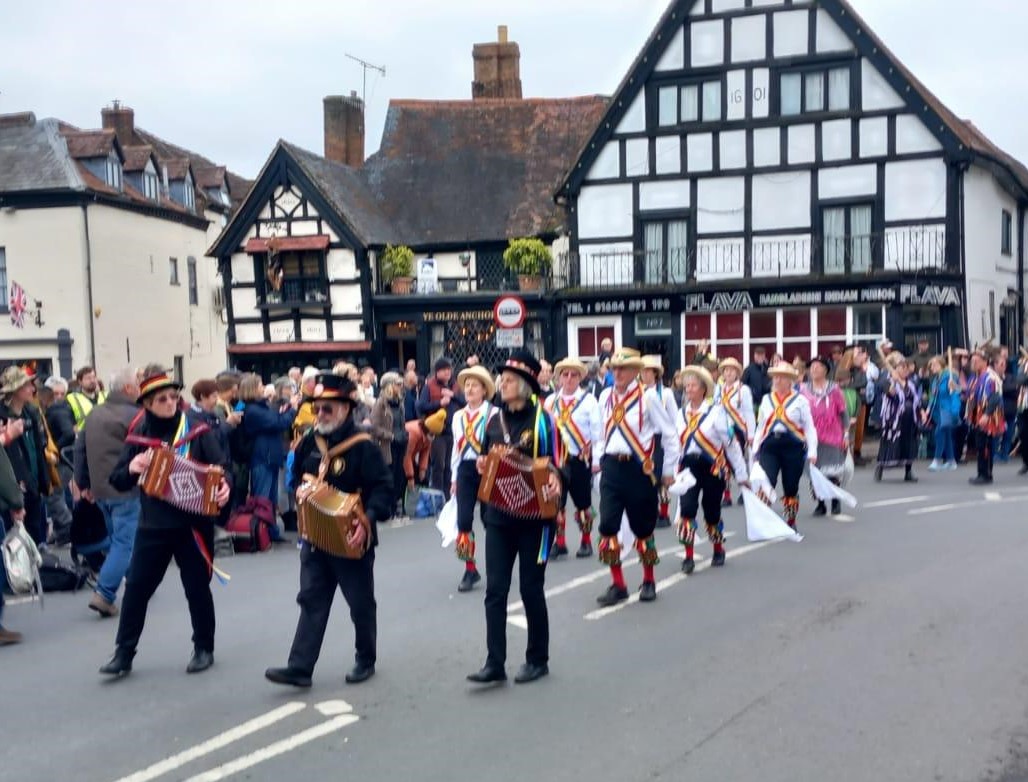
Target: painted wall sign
[619, 306]
[510, 312]
[658, 324]
[447, 316]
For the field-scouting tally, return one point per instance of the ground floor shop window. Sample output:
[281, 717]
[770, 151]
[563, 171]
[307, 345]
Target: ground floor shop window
[460, 340]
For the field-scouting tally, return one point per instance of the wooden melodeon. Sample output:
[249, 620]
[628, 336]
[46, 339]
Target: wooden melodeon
[517, 484]
[182, 482]
[326, 517]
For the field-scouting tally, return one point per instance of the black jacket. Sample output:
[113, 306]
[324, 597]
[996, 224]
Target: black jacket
[32, 472]
[363, 470]
[100, 443]
[155, 513]
[61, 421]
[756, 377]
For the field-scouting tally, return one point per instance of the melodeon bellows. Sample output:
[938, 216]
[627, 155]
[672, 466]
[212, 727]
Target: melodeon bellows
[179, 481]
[516, 484]
[326, 517]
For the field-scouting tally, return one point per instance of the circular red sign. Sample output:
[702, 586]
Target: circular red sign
[510, 312]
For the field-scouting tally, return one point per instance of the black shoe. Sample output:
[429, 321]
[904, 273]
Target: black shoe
[663, 523]
[718, 560]
[488, 675]
[740, 501]
[468, 581]
[529, 672]
[820, 510]
[647, 592]
[612, 596]
[1023, 470]
[288, 676]
[556, 552]
[688, 565]
[878, 473]
[119, 664]
[909, 476]
[200, 661]
[360, 673]
[980, 480]
[726, 502]
[836, 507]
[289, 521]
[859, 461]
[584, 551]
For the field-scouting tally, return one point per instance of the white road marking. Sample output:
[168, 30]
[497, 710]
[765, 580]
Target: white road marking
[670, 581]
[940, 508]
[216, 743]
[287, 744]
[844, 518]
[17, 601]
[993, 496]
[334, 708]
[896, 501]
[518, 620]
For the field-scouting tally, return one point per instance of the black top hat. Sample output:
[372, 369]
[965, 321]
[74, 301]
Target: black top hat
[331, 387]
[525, 365]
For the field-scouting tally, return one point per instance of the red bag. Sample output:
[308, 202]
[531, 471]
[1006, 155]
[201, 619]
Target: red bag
[250, 525]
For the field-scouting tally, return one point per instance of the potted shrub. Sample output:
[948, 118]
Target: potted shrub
[530, 259]
[398, 268]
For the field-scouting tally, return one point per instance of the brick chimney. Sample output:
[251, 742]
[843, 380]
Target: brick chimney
[122, 120]
[497, 69]
[344, 129]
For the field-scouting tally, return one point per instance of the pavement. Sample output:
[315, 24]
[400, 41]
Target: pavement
[889, 645]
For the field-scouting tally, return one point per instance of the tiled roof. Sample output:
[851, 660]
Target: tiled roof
[85, 144]
[210, 176]
[451, 172]
[137, 157]
[238, 186]
[177, 168]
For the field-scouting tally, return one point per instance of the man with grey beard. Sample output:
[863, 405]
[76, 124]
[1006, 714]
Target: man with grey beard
[354, 465]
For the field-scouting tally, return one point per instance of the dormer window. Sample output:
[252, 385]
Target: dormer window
[189, 198]
[112, 171]
[151, 189]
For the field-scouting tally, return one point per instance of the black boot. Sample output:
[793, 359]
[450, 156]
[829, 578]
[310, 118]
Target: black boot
[200, 661]
[836, 507]
[119, 664]
[584, 551]
[820, 510]
[291, 676]
[908, 474]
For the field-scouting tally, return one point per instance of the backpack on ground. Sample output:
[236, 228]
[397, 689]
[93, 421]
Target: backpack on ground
[21, 561]
[89, 539]
[250, 525]
[58, 576]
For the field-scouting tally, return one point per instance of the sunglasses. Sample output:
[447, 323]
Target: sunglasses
[172, 396]
[327, 409]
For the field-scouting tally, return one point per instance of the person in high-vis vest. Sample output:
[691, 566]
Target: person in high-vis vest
[87, 396]
[633, 418]
[708, 447]
[786, 438]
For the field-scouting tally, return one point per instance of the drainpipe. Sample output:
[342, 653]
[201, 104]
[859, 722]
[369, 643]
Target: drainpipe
[1020, 274]
[89, 288]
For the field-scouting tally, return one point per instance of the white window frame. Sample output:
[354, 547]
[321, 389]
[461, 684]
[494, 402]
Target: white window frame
[593, 322]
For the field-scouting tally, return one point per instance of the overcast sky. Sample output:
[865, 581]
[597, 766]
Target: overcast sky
[228, 78]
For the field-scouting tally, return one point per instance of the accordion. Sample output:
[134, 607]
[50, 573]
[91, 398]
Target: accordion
[516, 484]
[326, 517]
[183, 483]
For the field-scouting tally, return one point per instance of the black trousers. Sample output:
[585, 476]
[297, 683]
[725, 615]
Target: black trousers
[320, 575]
[1022, 429]
[711, 487]
[503, 544]
[439, 467]
[467, 482]
[151, 554]
[398, 451]
[625, 488]
[35, 517]
[580, 484]
[785, 455]
[983, 443]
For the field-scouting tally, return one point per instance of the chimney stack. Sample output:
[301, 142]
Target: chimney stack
[122, 120]
[344, 129]
[497, 68]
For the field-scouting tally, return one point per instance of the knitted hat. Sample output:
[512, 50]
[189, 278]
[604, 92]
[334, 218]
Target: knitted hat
[435, 423]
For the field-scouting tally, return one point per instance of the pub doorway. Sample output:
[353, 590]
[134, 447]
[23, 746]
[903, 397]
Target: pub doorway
[401, 345]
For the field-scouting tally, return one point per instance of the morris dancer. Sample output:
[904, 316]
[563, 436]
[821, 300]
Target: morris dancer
[165, 531]
[706, 439]
[468, 435]
[785, 435]
[578, 417]
[633, 419]
[984, 412]
[653, 379]
[523, 424]
[361, 468]
[901, 404]
[832, 423]
[737, 400]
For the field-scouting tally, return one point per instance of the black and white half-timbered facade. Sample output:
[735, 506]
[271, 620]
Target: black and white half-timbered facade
[768, 173]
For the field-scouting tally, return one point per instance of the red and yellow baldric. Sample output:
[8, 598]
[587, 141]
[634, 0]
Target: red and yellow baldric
[568, 426]
[778, 416]
[617, 421]
[474, 432]
[693, 434]
[733, 412]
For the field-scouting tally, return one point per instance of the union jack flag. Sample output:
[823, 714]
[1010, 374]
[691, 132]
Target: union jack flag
[18, 304]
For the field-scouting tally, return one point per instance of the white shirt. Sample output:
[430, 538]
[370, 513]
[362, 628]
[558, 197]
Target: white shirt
[667, 396]
[740, 397]
[583, 423]
[464, 449]
[797, 411]
[647, 418]
[714, 426]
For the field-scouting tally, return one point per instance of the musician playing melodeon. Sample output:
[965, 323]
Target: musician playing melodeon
[629, 479]
[165, 530]
[352, 464]
[469, 425]
[786, 438]
[653, 380]
[707, 441]
[516, 527]
[737, 400]
[578, 418]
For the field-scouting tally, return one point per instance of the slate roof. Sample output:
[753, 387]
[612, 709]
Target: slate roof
[454, 172]
[34, 156]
